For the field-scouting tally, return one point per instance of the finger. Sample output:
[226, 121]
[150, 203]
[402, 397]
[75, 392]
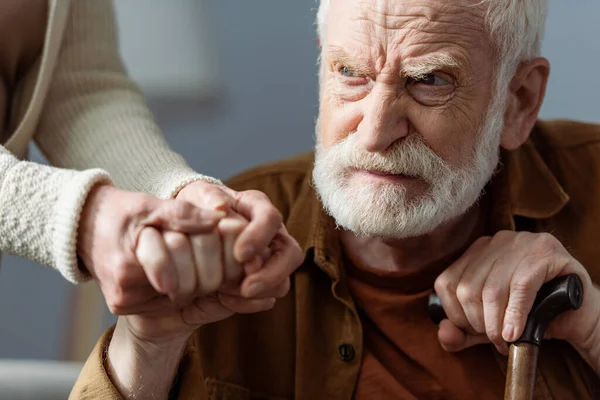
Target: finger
[131, 300]
[524, 285]
[265, 221]
[207, 195]
[495, 295]
[180, 249]
[151, 252]
[180, 216]
[241, 305]
[230, 228]
[205, 310]
[454, 339]
[446, 285]
[253, 265]
[155, 307]
[473, 279]
[286, 258]
[257, 262]
[544, 260]
[207, 252]
[279, 291]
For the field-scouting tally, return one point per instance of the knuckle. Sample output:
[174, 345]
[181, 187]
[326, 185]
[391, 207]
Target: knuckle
[482, 240]
[521, 239]
[211, 188]
[504, 234]
[545, 243]
[444, 284]
[256, 195]
[297, 255]
[177, 211]
[515, 312]
[274, 216]
[502, 238]
[466, 294]
[176, 241]
[522, 285]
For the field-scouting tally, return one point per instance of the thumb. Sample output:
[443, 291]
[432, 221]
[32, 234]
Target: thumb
[180, 216]
[454, 339]
[207, 195]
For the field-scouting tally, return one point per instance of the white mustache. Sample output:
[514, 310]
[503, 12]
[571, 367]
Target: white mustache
[410, 157]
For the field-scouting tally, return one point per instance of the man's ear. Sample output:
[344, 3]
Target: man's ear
[525, 97]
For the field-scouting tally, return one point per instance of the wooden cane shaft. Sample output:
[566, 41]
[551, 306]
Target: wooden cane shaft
[520, 376]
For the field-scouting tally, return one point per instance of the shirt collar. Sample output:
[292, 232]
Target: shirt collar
[525, 185]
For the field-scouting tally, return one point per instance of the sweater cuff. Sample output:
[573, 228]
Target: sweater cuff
[40, 207]
[65, 223]
[172, 188]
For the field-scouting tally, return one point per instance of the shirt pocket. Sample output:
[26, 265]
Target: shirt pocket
[220, 390]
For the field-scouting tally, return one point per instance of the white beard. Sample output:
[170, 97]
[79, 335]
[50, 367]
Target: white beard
[385, 209]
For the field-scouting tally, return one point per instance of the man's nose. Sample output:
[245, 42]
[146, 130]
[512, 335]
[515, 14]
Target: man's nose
[384, 121]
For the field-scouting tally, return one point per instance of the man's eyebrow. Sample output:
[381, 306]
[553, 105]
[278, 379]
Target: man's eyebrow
[421, 66]
[416, 67]
[340, 56]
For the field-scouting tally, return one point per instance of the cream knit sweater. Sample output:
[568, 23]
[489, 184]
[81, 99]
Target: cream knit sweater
[92, 124]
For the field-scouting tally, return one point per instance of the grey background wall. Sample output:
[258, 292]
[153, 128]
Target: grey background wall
[267, 57]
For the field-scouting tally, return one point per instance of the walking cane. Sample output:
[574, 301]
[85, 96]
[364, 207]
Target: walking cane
[557, 296]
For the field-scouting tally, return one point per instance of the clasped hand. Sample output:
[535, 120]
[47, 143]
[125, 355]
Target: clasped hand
[174, 265]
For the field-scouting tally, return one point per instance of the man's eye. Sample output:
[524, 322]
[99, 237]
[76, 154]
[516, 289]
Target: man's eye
[345, 71]
[430, 80]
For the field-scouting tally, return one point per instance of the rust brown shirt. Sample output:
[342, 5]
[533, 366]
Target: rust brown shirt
[312, 344]
[402, 358]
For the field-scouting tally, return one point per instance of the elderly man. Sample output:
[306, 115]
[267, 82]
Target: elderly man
[431, 171]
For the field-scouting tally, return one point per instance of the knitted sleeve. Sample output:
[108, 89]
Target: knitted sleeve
[95, 116]
[94, 128]
[39, 212]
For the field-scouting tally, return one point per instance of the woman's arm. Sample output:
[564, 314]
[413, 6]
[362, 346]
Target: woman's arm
[95, 116]
[39, 211]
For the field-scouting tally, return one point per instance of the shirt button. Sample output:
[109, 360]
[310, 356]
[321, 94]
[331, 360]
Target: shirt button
[346, 352]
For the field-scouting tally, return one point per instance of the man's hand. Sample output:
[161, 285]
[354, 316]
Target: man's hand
[177, 323]
[144, 352]
[488, 293]
[117, 226]
[265, 230]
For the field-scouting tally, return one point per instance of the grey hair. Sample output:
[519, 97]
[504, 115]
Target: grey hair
[516, 28]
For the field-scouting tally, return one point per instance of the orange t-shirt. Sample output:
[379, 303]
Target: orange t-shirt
[402, 356]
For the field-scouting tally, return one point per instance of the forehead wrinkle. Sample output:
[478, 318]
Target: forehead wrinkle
[445, 19]
[387, 41]
[442, 11]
